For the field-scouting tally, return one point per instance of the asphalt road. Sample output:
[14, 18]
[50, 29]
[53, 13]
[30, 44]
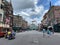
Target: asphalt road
[32, 38]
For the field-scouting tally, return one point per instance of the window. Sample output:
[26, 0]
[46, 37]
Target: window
[1, 6]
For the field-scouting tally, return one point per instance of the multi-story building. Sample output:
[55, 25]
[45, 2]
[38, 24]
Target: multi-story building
[24, 24]
[6, 16]
[17, 21]
[1, 12]
[8, 12]
[53, 16]
[44, 22]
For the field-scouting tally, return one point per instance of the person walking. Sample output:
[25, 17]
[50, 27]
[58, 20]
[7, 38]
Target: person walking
[48, 32]
[13, 33]
[44, 31]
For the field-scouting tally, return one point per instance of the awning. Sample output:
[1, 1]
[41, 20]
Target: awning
[50, 27]
[4, 25]
[17, 28]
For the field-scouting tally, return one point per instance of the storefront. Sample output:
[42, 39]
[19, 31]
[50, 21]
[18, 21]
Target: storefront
[57, 27]
[3, 29]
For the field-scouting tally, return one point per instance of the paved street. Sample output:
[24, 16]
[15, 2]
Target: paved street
[32, 38]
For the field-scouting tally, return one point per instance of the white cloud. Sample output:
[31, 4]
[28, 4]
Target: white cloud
[35, 2]
[43, 15]
[38, 10]
[18, 5]
[45, 12]
[24, 13]
[27, 8]
[57, 3]
[28, 19]
[38, 20]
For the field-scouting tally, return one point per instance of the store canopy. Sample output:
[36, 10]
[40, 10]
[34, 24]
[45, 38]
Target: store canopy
[50, 27]
[17, 28]
[4, 25]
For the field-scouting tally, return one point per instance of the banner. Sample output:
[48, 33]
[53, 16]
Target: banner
[7, 21]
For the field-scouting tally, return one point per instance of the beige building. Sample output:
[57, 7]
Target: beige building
[52, 17]
[45, 20]
[39, 27]
[1, 11]
[17, 21]
[6, 14]
[24, 24]
[57, 14]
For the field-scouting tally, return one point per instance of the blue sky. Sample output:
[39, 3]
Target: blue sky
[32, 9]
[46, 3]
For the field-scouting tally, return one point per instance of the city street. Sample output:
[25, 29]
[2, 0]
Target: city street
[27, 19]
[32, 38]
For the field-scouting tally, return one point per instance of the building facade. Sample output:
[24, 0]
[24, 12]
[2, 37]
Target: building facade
[6, 15]
[52, 16]
[17, 21]
[8, 12]
[1, 12]
[24, 24]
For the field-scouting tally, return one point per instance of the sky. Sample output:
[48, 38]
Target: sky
[32, 9]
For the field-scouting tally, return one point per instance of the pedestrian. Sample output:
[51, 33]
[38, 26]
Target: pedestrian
[48, 32]
[13, 33]
[9, 32]
[44, 31]
[52, 30]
